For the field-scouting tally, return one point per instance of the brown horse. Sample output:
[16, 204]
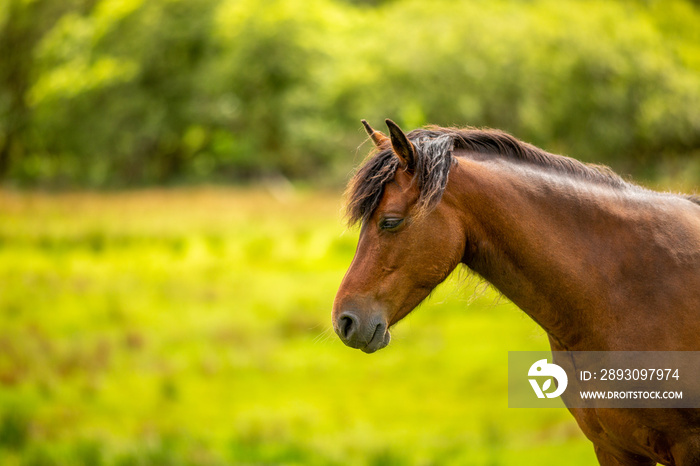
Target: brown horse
[599, 263]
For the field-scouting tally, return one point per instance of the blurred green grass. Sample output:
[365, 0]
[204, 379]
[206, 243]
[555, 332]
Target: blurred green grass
[192, 327]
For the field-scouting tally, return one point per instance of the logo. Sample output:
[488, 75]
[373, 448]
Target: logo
[543, 369]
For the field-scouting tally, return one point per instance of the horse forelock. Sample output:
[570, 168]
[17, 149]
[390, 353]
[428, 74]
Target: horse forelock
[433, 159]
[366, 187]
[434, 156]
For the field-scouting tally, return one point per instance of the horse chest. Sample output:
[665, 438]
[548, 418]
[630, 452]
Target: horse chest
[624, 433]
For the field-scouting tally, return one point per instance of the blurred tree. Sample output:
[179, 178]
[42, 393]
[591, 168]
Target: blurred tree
[124, 112]
[109, 92]
[260, 60]
[22, 25]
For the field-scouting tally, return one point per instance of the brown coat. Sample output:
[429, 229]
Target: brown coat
[599, 263]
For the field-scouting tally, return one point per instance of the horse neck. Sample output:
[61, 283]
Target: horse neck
[549, 242]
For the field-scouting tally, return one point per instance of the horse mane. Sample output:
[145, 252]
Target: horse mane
[434, 156]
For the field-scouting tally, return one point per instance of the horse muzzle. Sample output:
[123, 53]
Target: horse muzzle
[367, 333]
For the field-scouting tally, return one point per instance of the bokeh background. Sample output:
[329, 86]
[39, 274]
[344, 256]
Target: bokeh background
[171, 232]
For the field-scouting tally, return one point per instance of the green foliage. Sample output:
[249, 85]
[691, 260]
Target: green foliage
[187, 328]
[110, 92]
[14, 429]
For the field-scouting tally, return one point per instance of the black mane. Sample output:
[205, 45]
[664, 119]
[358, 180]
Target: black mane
[434, 157]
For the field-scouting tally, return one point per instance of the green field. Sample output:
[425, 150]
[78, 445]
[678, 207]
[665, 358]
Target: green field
[192, 327]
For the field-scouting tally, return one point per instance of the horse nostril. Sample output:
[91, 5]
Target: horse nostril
[380, 329]
[347, 325]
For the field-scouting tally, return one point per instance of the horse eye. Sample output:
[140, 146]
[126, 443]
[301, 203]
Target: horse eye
[390, 223]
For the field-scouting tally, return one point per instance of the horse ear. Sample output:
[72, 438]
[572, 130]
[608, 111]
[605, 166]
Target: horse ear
[378, 138]
[403, 148]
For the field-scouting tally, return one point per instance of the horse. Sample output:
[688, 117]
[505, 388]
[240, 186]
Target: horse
[600, 263]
